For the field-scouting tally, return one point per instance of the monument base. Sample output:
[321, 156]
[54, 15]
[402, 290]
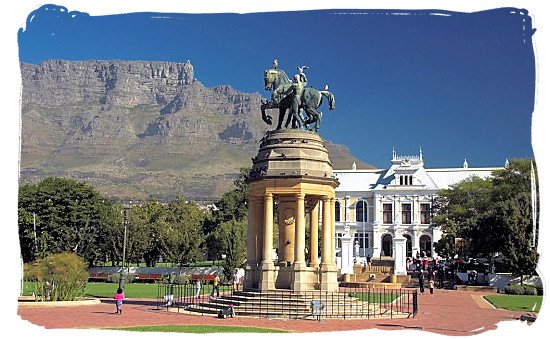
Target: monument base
[329, 278]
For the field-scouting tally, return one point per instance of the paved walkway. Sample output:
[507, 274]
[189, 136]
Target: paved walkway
[458, 313]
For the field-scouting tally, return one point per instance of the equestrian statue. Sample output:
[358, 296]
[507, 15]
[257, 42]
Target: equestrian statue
[295, 97]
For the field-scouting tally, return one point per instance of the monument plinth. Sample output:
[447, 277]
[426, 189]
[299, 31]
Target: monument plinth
[291, 177]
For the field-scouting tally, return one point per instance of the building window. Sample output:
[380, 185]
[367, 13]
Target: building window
[361, 211]
[406, 213]
[405, 180]
[425, 214]
[339, 240]
[362, 239]
[337, 211]
[387, 214]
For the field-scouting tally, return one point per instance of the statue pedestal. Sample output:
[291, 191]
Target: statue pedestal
[329, 278]
[293, 172]
[399, 252]
[267, 276]
[346, 254]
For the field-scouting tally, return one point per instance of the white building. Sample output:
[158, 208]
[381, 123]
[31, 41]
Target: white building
[372, 205]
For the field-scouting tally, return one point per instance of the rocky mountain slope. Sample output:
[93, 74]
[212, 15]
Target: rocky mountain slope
[138, 129]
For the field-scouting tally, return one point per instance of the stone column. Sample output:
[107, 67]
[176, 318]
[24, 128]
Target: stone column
[327, 236]
[300, 235]
[314, 234]
[333, 229]
[268, 274]
[287, 221]
[251, 258]
[328, 269]
[268, 230]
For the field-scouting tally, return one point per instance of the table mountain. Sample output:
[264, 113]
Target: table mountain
[139, 129]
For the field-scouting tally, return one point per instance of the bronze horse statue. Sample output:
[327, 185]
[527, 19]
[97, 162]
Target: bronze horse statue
[280, 84]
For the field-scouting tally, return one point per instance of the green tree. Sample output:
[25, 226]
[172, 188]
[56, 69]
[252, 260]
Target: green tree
[231, 207]
[492, 216]
[233, 204]
[459, 212]
[62, 215]
[231, 237]
[511, 216]
[183, 237]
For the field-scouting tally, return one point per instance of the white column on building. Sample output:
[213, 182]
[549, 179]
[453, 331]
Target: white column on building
[347, 209]
[399, 253]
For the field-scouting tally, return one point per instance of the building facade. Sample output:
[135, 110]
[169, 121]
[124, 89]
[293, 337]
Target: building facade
[374, 205]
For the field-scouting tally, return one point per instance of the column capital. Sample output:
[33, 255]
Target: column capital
[300, 196]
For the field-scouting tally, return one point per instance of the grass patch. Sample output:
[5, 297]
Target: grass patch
[200, 329]
[374, 297]
[516, 302]
[131, 290]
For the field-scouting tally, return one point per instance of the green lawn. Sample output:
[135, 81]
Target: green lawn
[132, 290]
[516, 302]
[374, 297]
[199, 329]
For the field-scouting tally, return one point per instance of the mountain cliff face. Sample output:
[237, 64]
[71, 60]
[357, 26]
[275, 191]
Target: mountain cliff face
[139, 129]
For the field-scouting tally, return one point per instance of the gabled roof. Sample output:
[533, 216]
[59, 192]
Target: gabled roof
[446, 177]
[424, 179]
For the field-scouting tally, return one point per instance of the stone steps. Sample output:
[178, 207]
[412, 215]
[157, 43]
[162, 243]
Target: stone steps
[288, 304]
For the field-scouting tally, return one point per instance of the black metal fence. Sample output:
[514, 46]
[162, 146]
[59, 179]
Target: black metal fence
[348, 302]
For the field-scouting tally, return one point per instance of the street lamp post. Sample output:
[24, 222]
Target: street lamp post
[121, 279]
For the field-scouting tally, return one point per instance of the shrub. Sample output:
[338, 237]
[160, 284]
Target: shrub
[538, 289]
[115, 277]
[182, 279]
[529, 290]
[514, 289]
[59, 277]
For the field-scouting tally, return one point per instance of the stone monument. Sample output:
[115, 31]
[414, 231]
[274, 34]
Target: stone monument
[291, 184]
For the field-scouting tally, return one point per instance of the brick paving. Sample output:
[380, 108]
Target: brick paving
[448, 312]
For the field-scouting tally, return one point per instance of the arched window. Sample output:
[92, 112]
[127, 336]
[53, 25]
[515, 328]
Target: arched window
[426, 245]
[387, 245]
[408, 245]
[336, 211]
[361, 210]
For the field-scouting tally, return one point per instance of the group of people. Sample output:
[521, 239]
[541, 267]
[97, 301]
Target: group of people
[216, 282]
[422, 275]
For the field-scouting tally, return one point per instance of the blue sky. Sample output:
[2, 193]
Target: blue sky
[459, 85]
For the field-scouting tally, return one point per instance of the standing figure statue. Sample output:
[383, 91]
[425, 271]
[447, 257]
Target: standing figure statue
[295, 97]
[296, 90]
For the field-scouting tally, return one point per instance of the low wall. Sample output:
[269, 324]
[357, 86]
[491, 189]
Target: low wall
[501, 280]
[30, 302]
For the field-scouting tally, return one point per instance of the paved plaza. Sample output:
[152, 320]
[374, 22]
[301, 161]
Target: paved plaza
[448, 312]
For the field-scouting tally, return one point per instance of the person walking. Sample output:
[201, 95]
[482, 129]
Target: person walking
[119, 296]
[431, 285]
[421, 281]
[236, 279]
[215, 287]
[198, 289]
